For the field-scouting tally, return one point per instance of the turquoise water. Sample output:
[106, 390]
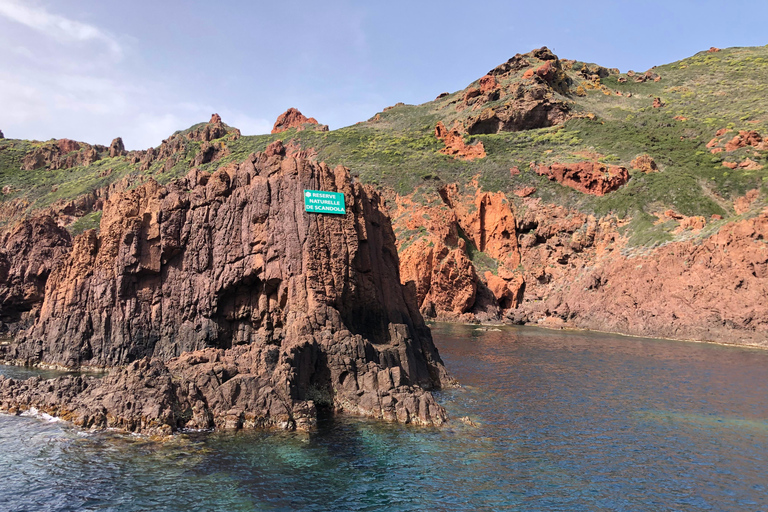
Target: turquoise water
[556, 421]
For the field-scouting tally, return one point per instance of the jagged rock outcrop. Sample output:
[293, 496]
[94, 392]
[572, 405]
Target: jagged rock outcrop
[232, 307]
[213, 137]
[529, 100]
[746, 138]
[436, 259]
[292, 118]
[213, 129]
[117, 148]
[61, 154]
[28, 254]
[516, 63]
[526, 107]
[588, 177]
[1, 135]
[455, 145]
[487, 220]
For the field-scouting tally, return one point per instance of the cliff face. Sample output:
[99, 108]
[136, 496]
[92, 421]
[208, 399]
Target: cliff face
[712, 289]
[526, 261]
[29, 252]
[234, 306]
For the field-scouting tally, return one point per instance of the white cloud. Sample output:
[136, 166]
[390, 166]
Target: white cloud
[50, 91]
[56, 26]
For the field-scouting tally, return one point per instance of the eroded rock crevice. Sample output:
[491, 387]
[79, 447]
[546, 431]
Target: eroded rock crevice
[226, 305]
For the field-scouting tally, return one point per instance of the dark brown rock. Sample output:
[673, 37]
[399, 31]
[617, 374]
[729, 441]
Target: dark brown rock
[527, 107]
[117, 148]
[543, 53]
[28, 253]
[249, 311]
[516, 63]
[61, 154]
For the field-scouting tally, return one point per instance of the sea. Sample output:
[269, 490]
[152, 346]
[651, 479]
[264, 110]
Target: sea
[543, 420]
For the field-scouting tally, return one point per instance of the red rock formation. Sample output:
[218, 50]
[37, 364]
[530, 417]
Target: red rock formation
[117, 148]
[657, 103]
[743, 204]
[472, 92]
[694, 223]
[488, 84]
[28, 253]
[588, 177]
[525, 191]
[527, 107]
[252, 311]
[292, 118]
[713, 49]
[212, 130]
[747, 164]
[744, 139]
[508, 292]
[547, 71]
[61, 154]
[453, 286]
[488, 221]
[644, 163]
[67, 146]
[706, 290]
[455, 145]
[435, 263]
[445, 280]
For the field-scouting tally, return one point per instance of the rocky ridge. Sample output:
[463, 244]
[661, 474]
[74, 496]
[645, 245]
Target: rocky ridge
[292, 118]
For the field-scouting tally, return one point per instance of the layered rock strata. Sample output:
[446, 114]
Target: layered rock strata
[224, 304]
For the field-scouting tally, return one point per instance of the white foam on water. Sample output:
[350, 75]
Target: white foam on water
[32, 412]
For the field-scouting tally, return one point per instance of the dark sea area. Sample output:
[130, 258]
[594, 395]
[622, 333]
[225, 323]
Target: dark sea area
[544, 420]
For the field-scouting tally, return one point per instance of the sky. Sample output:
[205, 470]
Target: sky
[92, 70]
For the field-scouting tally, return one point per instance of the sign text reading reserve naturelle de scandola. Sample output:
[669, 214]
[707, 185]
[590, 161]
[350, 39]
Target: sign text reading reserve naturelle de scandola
[319, 201]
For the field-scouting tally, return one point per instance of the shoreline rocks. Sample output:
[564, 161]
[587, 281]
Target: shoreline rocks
[225, 305]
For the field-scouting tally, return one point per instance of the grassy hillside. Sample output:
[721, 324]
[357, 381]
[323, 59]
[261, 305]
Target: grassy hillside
[397, 148]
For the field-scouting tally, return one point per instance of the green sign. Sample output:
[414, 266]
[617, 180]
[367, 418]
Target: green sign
[318, 201]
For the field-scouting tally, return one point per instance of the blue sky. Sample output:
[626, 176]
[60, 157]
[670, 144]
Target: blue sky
[95, 69]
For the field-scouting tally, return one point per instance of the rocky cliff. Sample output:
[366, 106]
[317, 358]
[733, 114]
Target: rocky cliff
[224, 304]
[485, 257]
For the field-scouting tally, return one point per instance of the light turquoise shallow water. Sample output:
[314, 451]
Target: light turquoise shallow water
[564, 421]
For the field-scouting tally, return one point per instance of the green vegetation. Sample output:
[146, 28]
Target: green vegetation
[397, 149]
[86, 222]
